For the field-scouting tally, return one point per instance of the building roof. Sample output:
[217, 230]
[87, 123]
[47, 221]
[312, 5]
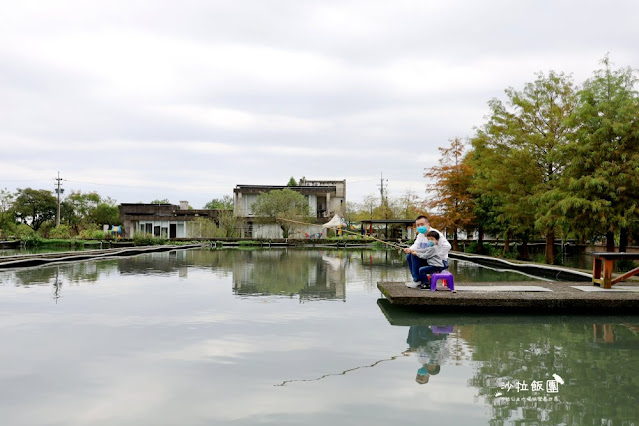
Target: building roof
[264, 188]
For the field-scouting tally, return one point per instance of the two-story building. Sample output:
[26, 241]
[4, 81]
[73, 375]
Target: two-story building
[325, 199]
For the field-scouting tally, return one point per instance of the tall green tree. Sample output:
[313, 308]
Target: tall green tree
[292, 182]
[105, 214]
[600, 188]
[530, 129]
[280, 204]
[76, 209]
[7, 219]
[34, 206]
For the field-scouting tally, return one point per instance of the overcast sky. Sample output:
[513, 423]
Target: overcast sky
[140, 100]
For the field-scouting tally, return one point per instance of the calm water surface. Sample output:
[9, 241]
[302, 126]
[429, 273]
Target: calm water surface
[283, 336]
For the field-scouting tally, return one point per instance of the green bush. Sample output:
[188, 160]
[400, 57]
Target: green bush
[510, 254]
[29, 237]
[60, 231]
[143, 239]
[93, 234]
[45, 229]
[475, 248]
[21, 231]
[249, 243]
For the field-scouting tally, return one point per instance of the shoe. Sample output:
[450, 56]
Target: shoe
[412, 284]
[425, 286]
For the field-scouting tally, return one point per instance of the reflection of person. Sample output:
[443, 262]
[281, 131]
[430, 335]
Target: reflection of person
[421, 242]
[434, 262]
[429, 347]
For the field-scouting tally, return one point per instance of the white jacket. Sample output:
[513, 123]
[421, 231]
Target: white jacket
[421, 242]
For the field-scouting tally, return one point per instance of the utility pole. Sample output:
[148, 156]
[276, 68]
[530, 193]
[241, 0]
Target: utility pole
[58, 190]
[382, 187]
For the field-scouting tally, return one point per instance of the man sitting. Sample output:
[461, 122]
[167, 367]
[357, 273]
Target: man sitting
[433, 260]
[421, 243]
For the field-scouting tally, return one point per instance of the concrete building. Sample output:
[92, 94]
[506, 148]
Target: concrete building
[325, 199]
[161, 220]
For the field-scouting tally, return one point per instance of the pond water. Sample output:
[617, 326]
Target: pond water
[286, 336]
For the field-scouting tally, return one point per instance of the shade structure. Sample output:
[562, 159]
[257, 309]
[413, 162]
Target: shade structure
[333, 223]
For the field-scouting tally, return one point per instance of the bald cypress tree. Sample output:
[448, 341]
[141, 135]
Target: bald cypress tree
[522, 157]
[600, 186]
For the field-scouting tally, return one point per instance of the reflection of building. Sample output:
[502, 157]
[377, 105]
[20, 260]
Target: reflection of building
[325, 199]
[290, 274]
[160, 220]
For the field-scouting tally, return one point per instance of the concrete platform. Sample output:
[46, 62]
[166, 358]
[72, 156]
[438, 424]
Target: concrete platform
[562, 299]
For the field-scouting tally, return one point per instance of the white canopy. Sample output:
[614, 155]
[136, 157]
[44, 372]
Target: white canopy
[333, 223]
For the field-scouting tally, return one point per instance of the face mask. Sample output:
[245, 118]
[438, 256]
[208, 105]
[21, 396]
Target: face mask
[422, 229]
[431, 243]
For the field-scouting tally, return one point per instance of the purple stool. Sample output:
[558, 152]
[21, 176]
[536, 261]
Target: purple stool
[443, 275]
[442, 329]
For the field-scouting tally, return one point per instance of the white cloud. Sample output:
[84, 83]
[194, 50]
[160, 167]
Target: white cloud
[158, 100]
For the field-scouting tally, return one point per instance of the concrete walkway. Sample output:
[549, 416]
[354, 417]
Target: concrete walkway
[558, 297]
[30, 260]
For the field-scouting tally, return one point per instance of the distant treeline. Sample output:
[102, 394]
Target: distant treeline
[29, 213]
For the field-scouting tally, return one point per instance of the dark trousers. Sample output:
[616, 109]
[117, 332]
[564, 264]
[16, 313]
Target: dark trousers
[414, 263]
[424, 271]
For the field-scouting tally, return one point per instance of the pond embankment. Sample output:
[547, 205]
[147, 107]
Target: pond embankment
[29, 260]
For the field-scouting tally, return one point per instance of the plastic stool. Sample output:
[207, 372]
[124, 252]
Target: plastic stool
[442, 329]
[443, 275]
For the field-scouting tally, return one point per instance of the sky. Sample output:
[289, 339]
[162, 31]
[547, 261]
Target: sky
[144, 100]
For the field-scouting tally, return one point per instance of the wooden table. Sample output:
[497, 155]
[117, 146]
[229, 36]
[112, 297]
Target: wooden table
[604, 262]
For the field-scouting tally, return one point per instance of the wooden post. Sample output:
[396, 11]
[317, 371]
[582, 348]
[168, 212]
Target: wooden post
[607, 272]
[596, 271]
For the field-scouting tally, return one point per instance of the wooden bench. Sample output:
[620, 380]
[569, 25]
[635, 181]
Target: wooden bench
[604, 262]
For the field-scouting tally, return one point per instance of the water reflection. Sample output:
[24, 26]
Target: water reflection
[555, 370]
[429, 344]
[308, 274]
[187, 338]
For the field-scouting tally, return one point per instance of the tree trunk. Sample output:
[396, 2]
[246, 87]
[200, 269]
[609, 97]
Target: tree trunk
[524, 249]
[623, 240]
[550, 247]
[455, 242]
[610, 241]
[480, 239]
[506, 244]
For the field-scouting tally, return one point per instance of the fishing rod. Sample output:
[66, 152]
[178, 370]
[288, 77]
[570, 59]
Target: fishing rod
[397, 246]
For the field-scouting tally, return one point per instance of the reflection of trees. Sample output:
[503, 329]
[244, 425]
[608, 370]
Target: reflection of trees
[597, 357]
[33, 275]
[310, 274]
[599, 387]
